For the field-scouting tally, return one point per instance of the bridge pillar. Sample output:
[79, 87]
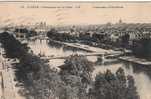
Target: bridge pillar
[40, 40]
[101, 59]
[47, 40]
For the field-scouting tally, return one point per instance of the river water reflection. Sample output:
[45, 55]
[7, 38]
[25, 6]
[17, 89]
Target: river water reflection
[141, 74]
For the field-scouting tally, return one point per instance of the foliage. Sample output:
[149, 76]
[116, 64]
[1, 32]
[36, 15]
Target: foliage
[142, 48]
[78, 66]
[28, 33]
[114, 86]
[13, 48]
[125, 40]
[77, 75]
[38, 80]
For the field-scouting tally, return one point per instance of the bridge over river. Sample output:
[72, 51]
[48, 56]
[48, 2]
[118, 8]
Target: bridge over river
[92, 51]
[95, 51]
[101, 55]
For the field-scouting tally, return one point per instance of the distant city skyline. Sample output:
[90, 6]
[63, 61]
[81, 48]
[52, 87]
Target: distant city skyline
[74, 13]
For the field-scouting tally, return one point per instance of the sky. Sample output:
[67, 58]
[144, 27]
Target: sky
[66, 13]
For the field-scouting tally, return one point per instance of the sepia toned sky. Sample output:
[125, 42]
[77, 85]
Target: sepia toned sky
[54, 13]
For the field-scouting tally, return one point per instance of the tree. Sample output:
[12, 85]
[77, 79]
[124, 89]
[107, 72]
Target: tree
[77, 75]
[13, 48]
[142, 48]
[125, 40]
[114, 86]
[52, 32]
[78, 66]
[38, 79]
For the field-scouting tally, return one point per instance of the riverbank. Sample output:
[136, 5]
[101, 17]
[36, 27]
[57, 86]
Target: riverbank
[86, 47]
[136, 60]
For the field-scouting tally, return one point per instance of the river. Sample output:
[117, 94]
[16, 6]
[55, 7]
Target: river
[141, 74]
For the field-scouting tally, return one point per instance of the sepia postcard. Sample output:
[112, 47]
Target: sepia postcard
[75, 50]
